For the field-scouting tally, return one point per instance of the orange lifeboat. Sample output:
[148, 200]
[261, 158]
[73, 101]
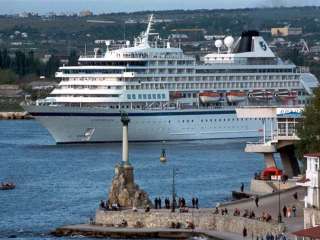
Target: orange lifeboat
[235, 97]
[175, 95]
[209, 97]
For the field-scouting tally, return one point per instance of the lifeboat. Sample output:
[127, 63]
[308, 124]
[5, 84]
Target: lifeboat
[175, 95]
[209, 97]
[261, 95]
[286, 95]
[235, 97]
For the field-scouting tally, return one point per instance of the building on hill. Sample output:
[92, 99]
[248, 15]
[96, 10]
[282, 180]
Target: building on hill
[10, 91]
[86, 13]
[43, 85]
[286, 31]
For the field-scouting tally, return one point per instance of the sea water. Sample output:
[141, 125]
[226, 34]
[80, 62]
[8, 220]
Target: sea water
[58, 185]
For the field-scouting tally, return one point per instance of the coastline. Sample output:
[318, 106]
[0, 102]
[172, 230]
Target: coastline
[15, 116]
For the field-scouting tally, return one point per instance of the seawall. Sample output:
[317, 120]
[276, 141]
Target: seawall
[203, 219]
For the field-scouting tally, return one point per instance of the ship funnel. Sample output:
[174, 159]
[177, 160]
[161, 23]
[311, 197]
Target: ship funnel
[246, 42]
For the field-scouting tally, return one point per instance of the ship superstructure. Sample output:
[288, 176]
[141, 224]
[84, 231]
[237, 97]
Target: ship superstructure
[167, 94]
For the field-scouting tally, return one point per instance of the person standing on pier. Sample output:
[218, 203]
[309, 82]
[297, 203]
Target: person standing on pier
[242, 187]
[294, 211]
[284, 210]
[193, 202]
[197, 203]
[256, 200]
[244, 232]
[156, 203]
[159, 202]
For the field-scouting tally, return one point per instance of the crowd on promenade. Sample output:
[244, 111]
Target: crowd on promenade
[268, 236]
[158, 204]
[181, 204]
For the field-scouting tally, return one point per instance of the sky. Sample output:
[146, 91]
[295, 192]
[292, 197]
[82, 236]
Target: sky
[107, 6]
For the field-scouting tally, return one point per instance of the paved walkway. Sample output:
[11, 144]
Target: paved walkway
[269, 204]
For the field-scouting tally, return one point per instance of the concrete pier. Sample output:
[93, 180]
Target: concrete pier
[281, 138]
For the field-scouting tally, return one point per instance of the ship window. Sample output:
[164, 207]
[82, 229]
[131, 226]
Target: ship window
[149, 96]
[154, 96]
[144, 96]
[133, 96]
[139, 96]
[158, 95]
[129, 96]
[163, 95]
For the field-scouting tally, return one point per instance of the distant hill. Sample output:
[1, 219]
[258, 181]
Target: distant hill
[62, 33]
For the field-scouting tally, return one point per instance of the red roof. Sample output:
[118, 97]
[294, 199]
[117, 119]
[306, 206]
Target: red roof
[309, 232]
[312, 154]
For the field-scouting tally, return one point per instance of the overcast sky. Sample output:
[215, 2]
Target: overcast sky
[99, 6]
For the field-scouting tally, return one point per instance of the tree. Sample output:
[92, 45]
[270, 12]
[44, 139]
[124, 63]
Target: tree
[7, 76]
[309, 129]
[73, 58]
[52, 66]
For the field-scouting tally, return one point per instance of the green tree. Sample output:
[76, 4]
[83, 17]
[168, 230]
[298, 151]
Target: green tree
[7, 76]
[73, 58]
[309, 129]
[52, 66]
[6, 60]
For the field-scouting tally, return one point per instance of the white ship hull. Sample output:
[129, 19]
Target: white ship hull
[80, 125]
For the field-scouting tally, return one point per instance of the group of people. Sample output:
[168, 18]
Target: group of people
[246, 214]
[289, 211]
[106, 205]
[157, 203]
[268, 236]
[181, 203]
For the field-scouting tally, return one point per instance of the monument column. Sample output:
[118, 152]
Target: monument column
[123, 190]
[125, 142]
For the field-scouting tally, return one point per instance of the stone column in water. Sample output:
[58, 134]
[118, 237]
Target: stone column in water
[125, 145]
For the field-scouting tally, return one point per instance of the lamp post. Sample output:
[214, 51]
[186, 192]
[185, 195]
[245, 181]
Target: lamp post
[173, 207]
[279, 205]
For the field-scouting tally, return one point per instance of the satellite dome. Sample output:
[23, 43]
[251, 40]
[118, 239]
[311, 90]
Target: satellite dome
[218, 43]
[228, 41]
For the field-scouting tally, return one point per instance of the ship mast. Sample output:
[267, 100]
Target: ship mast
[145, 36]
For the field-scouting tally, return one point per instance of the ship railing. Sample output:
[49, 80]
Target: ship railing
[303, 69]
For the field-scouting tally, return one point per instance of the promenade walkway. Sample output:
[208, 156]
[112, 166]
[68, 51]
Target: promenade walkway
[269, 204]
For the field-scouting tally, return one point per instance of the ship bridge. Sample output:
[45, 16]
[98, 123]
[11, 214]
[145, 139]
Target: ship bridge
[278, 135]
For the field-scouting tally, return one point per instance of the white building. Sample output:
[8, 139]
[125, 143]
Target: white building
[313, 176]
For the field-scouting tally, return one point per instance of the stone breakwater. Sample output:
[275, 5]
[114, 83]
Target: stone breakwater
[203, 219]
[15, 116]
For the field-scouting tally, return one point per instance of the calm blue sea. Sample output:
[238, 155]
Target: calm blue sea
[63, 184]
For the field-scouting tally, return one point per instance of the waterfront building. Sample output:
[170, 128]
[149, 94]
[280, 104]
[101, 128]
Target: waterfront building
[168, 94]
[312, 199]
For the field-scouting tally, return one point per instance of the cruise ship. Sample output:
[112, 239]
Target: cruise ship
[167, 94]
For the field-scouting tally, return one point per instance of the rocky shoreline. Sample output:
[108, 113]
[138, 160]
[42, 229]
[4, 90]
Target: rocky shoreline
[15, 116]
